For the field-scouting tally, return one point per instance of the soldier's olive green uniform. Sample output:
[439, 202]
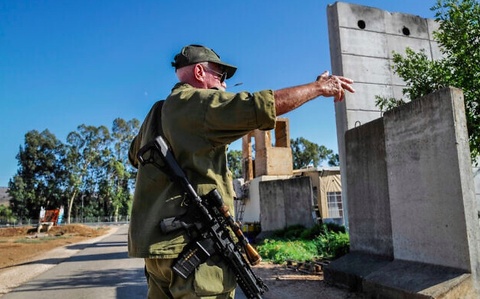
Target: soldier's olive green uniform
[199, 124]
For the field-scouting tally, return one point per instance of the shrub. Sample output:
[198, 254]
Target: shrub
[279, 251]
[332, 244]
[301, 244]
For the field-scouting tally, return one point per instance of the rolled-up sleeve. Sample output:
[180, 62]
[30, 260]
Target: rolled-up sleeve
[230, 116]
[265, 109]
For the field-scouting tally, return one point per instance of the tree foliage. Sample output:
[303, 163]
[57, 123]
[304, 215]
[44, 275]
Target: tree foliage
[305, 153]
[459, 39]
[89, 174]
[89, 151]
[39, 170]
[234, 160]
[334, 160]
[6, 214]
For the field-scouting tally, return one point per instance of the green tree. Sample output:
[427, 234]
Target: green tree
[305, 152]
[86, 151]
[6, 214]
[459, 39]
[334, 160]
[115, 184]
[234, 160]
[123, 133]
[36, 182]
[89, 175]
[20, 195]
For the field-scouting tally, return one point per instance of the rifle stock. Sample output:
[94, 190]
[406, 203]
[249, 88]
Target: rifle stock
[213, 234]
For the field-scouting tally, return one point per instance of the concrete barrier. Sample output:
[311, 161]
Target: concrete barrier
[412, 210]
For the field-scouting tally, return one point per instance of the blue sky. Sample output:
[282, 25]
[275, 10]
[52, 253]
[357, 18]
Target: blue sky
[67, 63]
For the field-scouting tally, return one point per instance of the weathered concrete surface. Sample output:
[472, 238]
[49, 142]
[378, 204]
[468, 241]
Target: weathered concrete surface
[362, 40]
[370, 220]
[432, 197]
[432, 221]
[415, 161]
[252, 208]
[379, 277]
[350, 270]
[476, 181]
[403, 279]
[286, 202]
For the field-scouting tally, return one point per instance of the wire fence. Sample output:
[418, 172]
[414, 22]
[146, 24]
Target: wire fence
[9, 222]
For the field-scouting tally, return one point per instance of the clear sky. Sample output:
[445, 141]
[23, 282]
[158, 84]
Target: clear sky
[67, 63]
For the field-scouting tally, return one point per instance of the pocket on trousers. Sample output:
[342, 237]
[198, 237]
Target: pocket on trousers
[214, 278]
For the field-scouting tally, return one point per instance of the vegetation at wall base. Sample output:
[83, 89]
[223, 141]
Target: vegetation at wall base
[323, 241]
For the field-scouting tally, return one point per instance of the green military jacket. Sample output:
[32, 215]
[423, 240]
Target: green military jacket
[199, 124]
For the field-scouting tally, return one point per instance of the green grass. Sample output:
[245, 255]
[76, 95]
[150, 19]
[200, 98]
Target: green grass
[300, 244]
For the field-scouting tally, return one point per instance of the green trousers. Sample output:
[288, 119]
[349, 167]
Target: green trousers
[211, 280]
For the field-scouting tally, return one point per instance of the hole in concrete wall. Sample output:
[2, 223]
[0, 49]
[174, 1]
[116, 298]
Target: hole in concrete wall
[406, 31]
[361, 24]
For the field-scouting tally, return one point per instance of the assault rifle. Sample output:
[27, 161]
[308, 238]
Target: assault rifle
[209, 227]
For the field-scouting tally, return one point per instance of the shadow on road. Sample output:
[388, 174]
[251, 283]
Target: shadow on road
[80, 258]
[82, 246]
[129, 283]
[99, 269]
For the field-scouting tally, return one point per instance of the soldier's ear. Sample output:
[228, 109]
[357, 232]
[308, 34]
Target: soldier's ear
[199, 72]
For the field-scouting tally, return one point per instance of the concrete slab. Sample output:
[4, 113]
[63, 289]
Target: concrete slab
[350, 270]
[434, 219]
[404, 279]
[406, 25]
[285, 203]
[364, 43]
[370, 221]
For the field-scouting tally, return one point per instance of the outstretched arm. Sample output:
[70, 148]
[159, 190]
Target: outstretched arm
[290, 98]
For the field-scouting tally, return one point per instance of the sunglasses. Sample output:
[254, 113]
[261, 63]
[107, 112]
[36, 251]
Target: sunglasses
[222, 76]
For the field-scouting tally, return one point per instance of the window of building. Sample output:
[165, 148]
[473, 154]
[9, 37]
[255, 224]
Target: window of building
[335, 206]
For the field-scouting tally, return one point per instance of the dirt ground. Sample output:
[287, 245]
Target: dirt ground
[20, 244]
[293, 280]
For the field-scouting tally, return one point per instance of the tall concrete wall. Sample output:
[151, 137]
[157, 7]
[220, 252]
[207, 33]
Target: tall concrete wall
[361, 43]
[431, 230]
[410, 173]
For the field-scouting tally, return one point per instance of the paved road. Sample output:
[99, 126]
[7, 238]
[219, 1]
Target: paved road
[98, 270]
